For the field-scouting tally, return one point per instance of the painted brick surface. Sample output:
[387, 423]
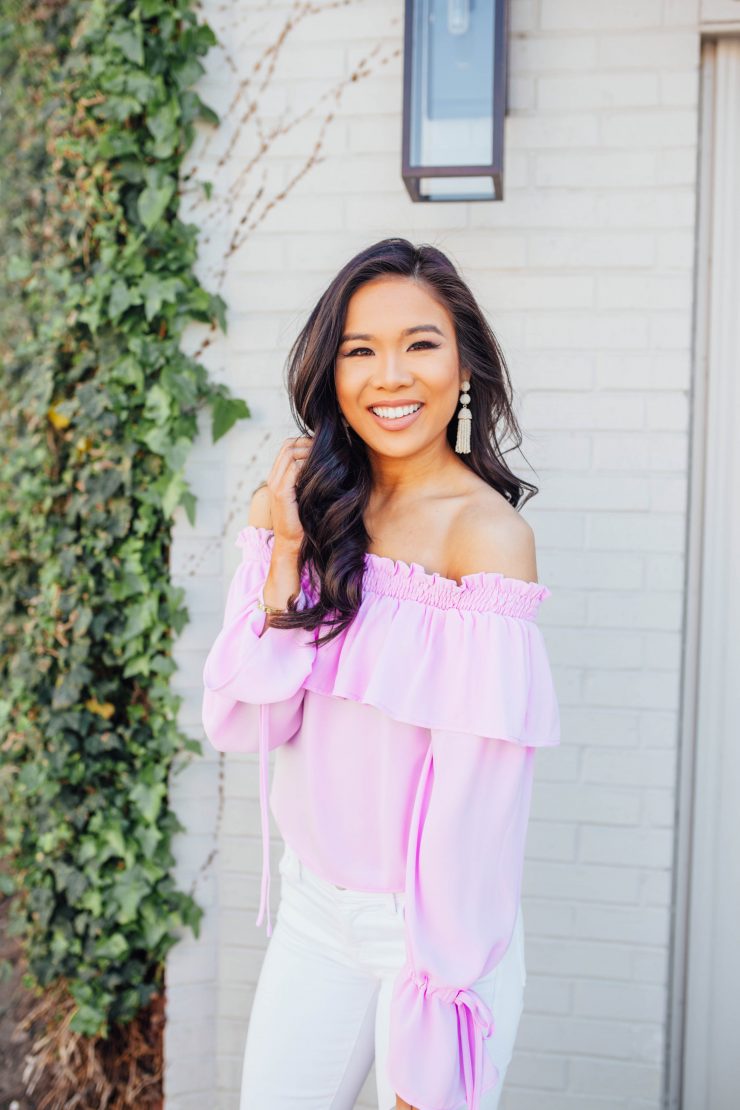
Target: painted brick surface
[586, 273]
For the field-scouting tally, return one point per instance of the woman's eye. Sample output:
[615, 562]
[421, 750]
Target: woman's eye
[418, 343]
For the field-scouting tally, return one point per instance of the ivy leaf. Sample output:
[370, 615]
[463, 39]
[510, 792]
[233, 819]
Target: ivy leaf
[129, 889]
[153, 201]
[140, 617]
[148, 798]
[226, 412]
[218, 308]
[128, 371]
[163, 126]
[176, 454]
[102, 709]
[141, 86]
[58, 419]
[129, 42]
[69, 686]
[92, 1003]
[192, 915]
[158, 291]
[122, 297]
[139, 664]
[188, 72]
[151, 8]
[113, 947]
[206, 113]
[114, 838]
[148, 836]
[189, 502]
[92, 900]
[173, 494]
[19, 268]
[157, 407]
[119, 108]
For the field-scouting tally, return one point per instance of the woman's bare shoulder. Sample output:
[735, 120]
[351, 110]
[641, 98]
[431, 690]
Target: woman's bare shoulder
[259, 508]
[491, 535]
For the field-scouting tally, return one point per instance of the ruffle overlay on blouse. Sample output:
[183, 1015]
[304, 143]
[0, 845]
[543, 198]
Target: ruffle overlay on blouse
[435, 653]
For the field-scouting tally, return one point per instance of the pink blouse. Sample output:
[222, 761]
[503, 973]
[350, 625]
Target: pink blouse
[404, 762]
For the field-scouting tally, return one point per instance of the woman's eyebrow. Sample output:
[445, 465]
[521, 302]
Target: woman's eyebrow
[406, 331]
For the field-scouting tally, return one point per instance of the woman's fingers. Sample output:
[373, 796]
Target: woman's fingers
[281, 484]
[295, 449]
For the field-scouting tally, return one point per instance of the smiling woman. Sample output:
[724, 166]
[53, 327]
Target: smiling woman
[380, 633]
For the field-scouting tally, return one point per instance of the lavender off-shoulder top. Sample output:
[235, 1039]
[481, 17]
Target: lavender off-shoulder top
[404, 762]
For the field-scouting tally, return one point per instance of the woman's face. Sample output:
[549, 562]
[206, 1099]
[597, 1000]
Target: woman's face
[398, 350]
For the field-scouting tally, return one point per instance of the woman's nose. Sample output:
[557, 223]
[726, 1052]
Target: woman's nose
[391, 371]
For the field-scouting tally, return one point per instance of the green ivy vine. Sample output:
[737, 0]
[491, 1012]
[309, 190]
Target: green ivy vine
[98, 411]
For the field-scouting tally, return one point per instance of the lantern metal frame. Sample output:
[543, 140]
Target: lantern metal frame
[412, 174]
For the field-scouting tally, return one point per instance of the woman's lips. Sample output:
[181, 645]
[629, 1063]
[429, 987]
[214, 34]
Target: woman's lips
[399, 422]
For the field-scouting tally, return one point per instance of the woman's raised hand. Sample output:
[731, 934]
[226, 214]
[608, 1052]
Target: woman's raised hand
[281, 482]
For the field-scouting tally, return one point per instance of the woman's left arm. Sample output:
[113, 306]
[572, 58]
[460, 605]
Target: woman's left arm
[463, 885]
[469, 820]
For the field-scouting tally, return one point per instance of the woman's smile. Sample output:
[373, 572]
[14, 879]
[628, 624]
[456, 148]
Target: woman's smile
[396, 420]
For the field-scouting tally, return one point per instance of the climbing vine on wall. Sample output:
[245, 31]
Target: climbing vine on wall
[98, 410]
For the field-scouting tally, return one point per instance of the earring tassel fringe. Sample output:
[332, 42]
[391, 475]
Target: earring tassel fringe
[464, 420]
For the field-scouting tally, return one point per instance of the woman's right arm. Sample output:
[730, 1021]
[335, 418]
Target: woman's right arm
[283, 580]
[252, 663]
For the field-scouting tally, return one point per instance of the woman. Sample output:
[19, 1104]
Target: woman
[380, 634]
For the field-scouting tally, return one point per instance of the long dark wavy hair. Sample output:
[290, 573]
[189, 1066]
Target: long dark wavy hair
[334, 485]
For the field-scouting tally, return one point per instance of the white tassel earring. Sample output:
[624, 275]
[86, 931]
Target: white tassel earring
[464, 421]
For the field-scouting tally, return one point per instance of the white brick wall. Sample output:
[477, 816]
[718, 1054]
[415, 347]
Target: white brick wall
[586, 272]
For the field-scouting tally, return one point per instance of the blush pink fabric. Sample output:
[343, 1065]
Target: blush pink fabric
[404, 761]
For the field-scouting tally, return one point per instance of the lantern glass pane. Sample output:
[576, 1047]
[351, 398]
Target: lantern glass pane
[452, 83]
[457, 188]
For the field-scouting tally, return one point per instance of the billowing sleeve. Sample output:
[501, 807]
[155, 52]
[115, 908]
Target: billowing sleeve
[253, 677]
[465, 861]
[463, 884]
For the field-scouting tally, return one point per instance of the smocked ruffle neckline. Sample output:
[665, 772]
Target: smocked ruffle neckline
[480, 591]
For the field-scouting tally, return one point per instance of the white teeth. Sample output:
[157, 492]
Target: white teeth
[396, 412]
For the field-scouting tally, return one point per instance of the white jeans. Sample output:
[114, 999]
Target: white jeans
[320, 1014]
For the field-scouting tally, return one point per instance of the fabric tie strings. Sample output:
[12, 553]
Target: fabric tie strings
[264, 754]
[476, 1023]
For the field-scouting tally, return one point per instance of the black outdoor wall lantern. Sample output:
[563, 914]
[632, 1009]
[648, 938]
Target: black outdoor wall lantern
[454, 99]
